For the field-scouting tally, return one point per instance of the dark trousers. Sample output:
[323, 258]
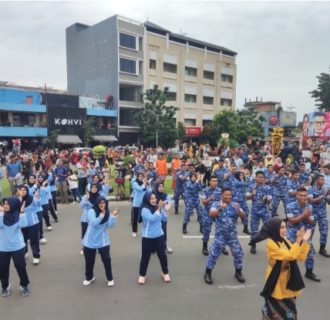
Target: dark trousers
[52, 210]
[45, 215]
[149, 246]
[90, 261]
[54, 199]
[136, 212]
[84, 226]
[32, 233]
[164, 227]
[41, 229]
[82, 184]
[19, 263]
[75, 194]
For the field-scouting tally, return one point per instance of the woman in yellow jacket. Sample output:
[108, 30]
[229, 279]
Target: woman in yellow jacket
[284, 281]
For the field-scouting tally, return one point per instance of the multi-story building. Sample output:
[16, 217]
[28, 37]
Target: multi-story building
[201, 77]
[274, 115]
[119, 58]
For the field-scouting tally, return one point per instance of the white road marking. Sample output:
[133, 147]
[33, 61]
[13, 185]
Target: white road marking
[240, 286]
[212, 237]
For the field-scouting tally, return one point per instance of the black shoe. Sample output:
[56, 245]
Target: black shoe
[225, 252]
[323, 251]
[184, 229]
[246, 230]
[253, 249]
[239, 276]
[201, 229]
[208, 276]
[205, 250]
[311, 275]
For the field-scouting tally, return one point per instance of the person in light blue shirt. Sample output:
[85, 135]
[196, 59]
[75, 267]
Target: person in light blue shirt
[152, 235]
[139, 189]
[97, 238]
[12, 244]
[31, 207]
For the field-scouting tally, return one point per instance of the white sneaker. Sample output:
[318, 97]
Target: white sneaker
[36, 261]
[111, 283]
[169, 249]
[88, 282]
[43, 240]
[134, 235]
[142, 280]
[82, 252]
[6, 292]
[26, 255]
[50, 228]
[166, 277]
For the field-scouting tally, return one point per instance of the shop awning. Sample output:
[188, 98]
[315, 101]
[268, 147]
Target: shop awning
[68, 139]
[108, 138]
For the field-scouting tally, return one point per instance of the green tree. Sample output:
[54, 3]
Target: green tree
[239, 125]
[89, 130]
[210, 135]
[51, 140]
[181, 131]
[156, 120]
[322, 94]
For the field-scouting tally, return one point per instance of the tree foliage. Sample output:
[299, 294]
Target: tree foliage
[51, 140]
[90, 125]
[322, 94]
[239, 125]
[181, 131]
[156, 117]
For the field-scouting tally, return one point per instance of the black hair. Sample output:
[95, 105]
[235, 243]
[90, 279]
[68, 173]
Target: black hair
[226, 189]
[302, 189]
[260, 172]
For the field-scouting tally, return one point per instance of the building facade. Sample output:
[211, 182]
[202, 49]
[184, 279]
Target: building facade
[120, 58]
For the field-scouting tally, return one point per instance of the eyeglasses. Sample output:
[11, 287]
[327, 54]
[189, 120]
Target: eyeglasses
[319, 123]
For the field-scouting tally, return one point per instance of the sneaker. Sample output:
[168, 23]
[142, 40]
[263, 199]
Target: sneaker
[111, 283]
[88, 282]
[26, 255]
[142, 280]
[169, 249]
[166, 277]
[6, 292]
[43, 240]
[49, 228]
[36, 261]
[81, 252]
[134, 235]
[25, 291]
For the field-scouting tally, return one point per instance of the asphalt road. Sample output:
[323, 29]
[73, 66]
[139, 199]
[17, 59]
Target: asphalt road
[57, 291]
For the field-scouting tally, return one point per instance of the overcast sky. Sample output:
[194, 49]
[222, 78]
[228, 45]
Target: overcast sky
[281, 47]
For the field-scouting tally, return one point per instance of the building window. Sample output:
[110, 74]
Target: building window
[191, 72]
[226, 78]
[171, 96]
[127, 41]
[152, 64]
[190, 98]
[226, 102]
[208, 75]
[189, 122]
[206, 122]
[208, 100]
[169, 67]
[127, 65]
[28, 99]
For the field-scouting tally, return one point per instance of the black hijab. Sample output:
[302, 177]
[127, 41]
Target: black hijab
[93, 196]
[28, 199]
[98, 211]
[12, 216]
[98, 183]
[159, 195]
[140, 183]
[31, 184]
[271, 229]
[146, 204]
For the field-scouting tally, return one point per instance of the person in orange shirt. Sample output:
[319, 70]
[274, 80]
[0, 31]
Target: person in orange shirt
[161, 167]
[175, 164]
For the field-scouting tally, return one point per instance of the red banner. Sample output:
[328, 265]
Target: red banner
[193, 131]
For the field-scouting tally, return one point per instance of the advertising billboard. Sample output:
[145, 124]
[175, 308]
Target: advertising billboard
[67, 120]
[315, 131]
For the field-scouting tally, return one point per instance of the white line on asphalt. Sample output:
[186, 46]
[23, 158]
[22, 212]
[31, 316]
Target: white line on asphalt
[200, 237]
[240, 286]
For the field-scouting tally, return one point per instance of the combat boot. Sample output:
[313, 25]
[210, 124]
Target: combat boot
[208, 276]
[253, 249]
[201, 228]
[246, 230]
[225, 251]
[323, 251]
[239, 276]
[311, 275]
[205, 250]
[184, 228]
